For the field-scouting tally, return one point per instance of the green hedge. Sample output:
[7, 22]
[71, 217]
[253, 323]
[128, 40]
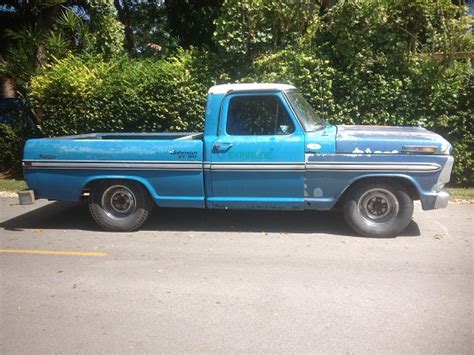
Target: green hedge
[12, 138]
[82, 95]
[87, 94]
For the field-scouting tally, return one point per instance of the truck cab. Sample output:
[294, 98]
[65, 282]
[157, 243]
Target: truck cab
[254, 148]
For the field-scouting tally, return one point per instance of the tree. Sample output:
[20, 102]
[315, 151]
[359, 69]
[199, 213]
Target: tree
[147, 32]
[249, 28]
[192, 21]
[161, 26]
[32, 33]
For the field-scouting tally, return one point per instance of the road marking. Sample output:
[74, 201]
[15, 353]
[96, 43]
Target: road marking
[52, 252]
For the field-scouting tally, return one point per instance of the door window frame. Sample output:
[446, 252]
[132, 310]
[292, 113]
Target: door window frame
[222, 127]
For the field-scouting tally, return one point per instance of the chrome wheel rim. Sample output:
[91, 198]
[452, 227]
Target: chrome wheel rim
[378, 206]
[118, 201]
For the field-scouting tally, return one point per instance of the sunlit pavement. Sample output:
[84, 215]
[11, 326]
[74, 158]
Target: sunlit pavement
[222, 281]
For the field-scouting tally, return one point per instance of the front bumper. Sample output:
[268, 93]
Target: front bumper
[435, 200]
[441, 199]
[441, 195]
[438, 197]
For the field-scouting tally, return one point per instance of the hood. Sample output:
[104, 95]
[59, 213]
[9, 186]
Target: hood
[388, 140]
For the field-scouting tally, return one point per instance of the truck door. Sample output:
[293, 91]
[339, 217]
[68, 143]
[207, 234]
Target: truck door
[257, 159]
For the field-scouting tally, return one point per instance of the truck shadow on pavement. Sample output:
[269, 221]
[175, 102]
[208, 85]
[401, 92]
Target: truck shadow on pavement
[68, 216]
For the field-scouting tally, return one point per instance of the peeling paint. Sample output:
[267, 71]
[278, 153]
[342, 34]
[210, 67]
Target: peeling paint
[313, 146]
[358, 151]
[317, 192]
[382, 140]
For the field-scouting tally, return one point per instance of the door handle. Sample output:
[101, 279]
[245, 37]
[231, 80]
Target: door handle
[222, 147]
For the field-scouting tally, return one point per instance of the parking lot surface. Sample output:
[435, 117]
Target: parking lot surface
[233, 281]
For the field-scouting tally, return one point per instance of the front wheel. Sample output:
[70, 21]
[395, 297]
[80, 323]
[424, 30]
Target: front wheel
[378, 209]
[120, 205]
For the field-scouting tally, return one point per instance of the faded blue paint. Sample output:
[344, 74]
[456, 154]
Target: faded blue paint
[247, 189]
[334, 183]
[86, 148]
[385, 140]
[326, 138]
[233, 181]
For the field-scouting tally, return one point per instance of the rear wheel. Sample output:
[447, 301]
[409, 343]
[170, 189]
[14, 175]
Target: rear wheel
[120, 205]
[378, 209]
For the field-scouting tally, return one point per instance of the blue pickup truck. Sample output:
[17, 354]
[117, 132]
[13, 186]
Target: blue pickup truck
[263, 147]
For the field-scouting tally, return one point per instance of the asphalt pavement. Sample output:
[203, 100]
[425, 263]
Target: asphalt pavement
[233, 281]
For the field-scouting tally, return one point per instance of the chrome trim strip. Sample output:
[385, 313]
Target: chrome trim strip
[259, 167]
[374, 167]
[114, 161]
[133, 165]
[263, 167]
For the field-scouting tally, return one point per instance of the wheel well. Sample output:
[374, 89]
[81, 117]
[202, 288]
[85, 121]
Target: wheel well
[407, 184]
[86, 191]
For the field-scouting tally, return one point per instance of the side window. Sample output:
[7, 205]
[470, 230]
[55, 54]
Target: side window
[258, 115]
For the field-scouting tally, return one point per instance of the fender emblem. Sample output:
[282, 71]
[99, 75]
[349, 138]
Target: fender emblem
[48, 156]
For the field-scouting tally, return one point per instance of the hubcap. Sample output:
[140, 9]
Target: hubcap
[378, 205]
[118, 201]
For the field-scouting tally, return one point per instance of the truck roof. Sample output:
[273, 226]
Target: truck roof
[225, 88]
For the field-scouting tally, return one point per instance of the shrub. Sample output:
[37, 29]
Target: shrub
[360, 62]
[14, 130]
[79, 95]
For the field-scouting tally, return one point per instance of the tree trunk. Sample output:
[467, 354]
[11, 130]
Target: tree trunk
[8, 88]
[124, 17]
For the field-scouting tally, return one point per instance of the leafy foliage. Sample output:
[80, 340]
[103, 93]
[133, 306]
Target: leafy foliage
[360, 61]
[191, 22]
[40, 31]
[439, 98]
[147, 28]
[79, 95]
[14, 129]
[249, 28]
[368, 63]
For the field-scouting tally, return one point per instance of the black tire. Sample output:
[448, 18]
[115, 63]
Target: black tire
[118, 205]
[378, 210]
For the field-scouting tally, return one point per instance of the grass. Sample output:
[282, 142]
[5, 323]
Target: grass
[12, 185]
[457, 193]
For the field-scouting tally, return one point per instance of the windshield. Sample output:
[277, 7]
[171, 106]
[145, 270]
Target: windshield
[306, 114]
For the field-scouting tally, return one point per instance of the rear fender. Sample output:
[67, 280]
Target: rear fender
[90, 181]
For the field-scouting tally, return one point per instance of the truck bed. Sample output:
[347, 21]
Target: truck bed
[170, 165]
